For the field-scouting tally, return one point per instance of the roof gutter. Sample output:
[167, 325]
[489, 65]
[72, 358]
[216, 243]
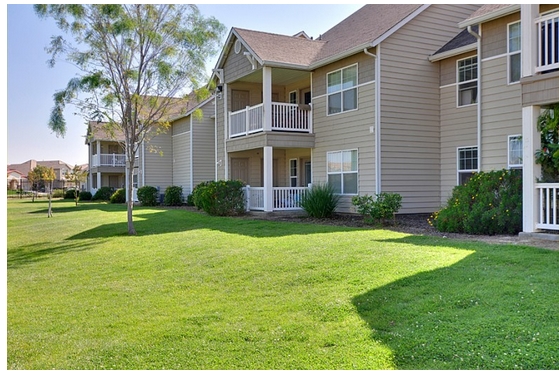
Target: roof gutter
[453, 53]
[490, 16]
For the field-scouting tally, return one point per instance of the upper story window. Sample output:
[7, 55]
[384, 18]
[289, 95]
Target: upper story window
[514, 58]
[467, 81]
[342, 90]
[342, 171]
[515, 151]
[293, 97]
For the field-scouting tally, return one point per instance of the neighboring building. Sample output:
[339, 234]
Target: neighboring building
[60, 169]
[15, 180]
[183, 155]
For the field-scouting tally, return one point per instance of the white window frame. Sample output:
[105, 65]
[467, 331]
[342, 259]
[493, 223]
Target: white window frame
[342, 172]
[291, 176]
[342, 90]
[511, 139]
[466, 82]
[511, 54]
[459, 170]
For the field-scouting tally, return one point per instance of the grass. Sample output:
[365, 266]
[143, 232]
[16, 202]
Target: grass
[199, 292]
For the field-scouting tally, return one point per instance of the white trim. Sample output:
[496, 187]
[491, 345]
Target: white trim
[296, 96]
[191, 152]
[179, 134]
[378, 152]
[296, 177]
[448, 86]
[488, 59]
[509, 165]
[342, 90]
[459, 83]
[453, 52]
[358, 86]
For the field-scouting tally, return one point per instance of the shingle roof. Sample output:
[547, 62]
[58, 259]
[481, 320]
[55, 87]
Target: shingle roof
[362, 28]
[464, 38]
[487, 11]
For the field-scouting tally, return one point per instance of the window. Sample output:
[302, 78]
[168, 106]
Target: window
[515, 151]
[467, 81]
[342, 171]
[293, 97]
[467, 163]
[293, 172]
[342, 90]
[514, 52]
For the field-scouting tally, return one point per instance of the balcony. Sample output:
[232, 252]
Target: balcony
[112, 160]
[284, 198]
[548, 206]
[286, 117]
[548, 42]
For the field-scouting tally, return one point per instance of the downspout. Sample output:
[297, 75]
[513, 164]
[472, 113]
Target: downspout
[478, 38]
[191, 165]
[215, 135]
[378, 162]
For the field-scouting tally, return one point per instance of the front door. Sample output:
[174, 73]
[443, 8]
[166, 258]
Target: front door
[239, 169]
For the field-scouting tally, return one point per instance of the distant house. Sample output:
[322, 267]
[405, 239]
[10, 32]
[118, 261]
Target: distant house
[15, 179]
[60, 170]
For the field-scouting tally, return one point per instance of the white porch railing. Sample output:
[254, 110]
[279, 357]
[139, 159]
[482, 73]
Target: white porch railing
[113, 159]
[285, 117]
[547, 28]
[548, 206]
[284, 198]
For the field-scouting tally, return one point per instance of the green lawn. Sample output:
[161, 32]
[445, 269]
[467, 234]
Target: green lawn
[199, 292]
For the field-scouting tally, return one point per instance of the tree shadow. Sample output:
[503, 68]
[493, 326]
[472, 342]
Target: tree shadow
[33, 253]
[494, 309]
[69, 206]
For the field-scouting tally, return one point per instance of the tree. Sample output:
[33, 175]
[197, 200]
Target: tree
[139, 63]
[42, 175]
[548, 155]
[77, 176]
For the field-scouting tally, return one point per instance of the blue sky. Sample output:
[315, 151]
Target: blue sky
[31, 83]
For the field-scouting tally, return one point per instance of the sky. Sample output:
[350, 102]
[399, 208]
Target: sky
[31, 83]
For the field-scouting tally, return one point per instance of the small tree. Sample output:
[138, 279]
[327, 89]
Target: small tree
[77, 175]
[43, 175]
[548, 155]
[139, 65]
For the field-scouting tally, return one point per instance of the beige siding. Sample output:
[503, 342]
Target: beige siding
[158, 163]
[541, 89]
[410, 130]
[203, 153]
[236, 66]
[346, 131]
[181, 161]
[494, 36]
[501, 113]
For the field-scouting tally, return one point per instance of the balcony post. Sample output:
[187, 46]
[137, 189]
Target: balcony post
[529, 38]
[267, 98]
[531, 141]
[268, 178]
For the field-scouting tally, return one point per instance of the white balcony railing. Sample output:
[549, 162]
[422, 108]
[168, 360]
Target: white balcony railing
[548, 206]
[285, 117]
[284, 198]
[548, 42]
[114, 160]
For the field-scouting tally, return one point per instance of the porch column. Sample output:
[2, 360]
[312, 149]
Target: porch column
[531, 141]
[267, 98]
[268, 179]
[529, 37]
[98, 180]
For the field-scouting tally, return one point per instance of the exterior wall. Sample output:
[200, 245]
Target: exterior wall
[203, 142]
[541, 89]
[410, 129]
[181, 154]
[347, 130]
[236, 65]
[458, 126]
[501, 103]
[158, 162]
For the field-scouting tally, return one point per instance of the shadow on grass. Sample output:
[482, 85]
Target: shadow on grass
[33, 253]
[494, 309]
[69, 206]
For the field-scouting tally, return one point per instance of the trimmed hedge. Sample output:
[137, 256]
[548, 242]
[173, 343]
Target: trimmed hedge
[220, 198]
[147, 195]
[173, 196]
[489, 203]
[103, 194]
[119, 197]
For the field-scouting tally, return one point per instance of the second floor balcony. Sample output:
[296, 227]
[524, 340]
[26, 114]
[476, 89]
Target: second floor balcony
[285, 117]
[111, 160]
[548, 42]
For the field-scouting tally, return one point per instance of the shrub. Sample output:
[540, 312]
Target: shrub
[378, 208]
[147, 195]
[119, 197]
[173, 196]
[220, 197]
[320, 201]
[489, 203]
[190, 200]
[58, 193]
[70, 194]
[85, 196]
[103, 194]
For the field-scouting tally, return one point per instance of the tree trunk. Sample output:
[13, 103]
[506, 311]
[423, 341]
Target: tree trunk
[49, 213]
[130, 192]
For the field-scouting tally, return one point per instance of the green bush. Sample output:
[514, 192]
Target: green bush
[378, 208]
[320, 201]
[173, 196]
[119, 197]
[489, 203]
[85, 196]
[103, 194]
[58, 193]
[190, 200]
[147, 195]
[220, 197]
[70, 194]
